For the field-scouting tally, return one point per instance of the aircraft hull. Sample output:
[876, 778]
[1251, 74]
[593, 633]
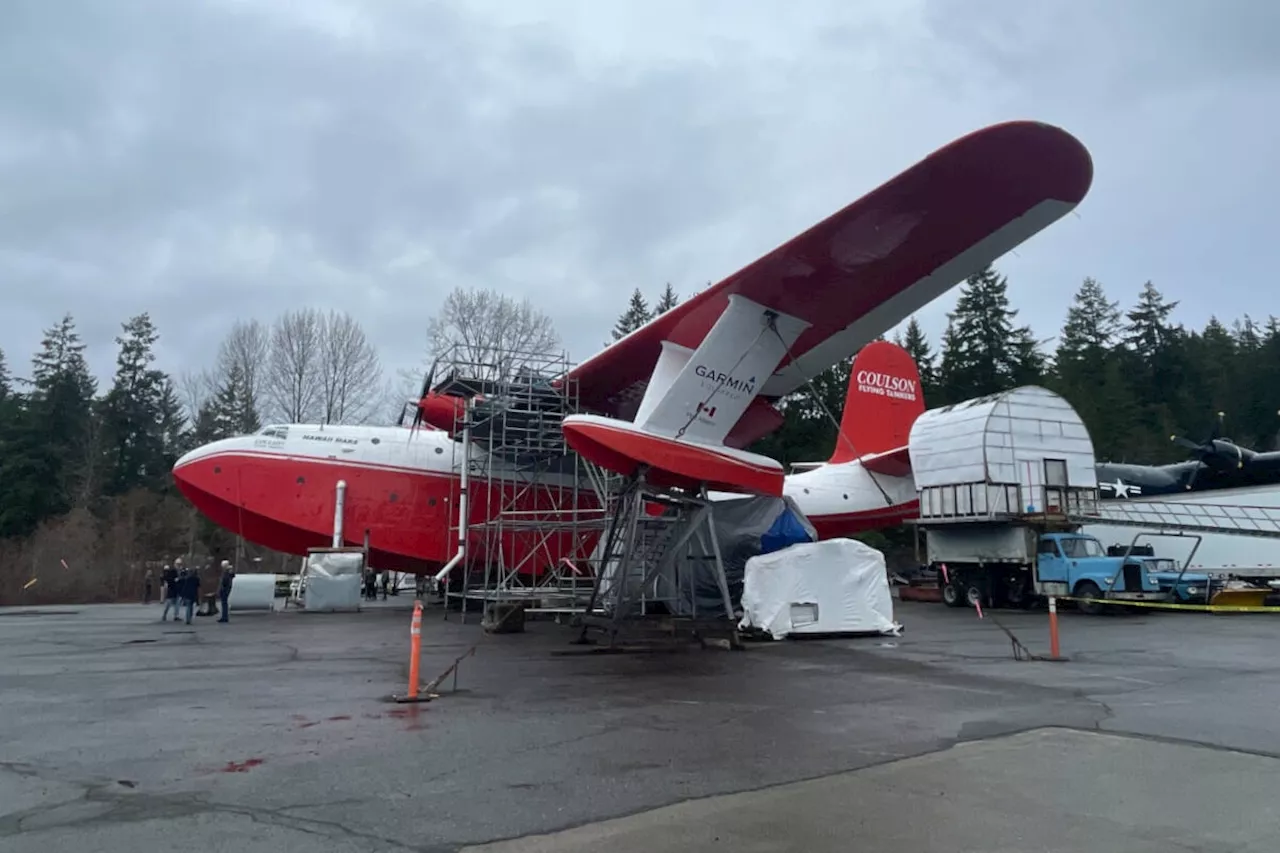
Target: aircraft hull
[409, 515]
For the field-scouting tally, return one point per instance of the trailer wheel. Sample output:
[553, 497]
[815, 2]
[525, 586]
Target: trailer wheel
[953, 595]
[1088, 593]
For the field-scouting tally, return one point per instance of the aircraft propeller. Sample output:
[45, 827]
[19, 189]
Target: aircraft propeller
[1214, 451]
[417, 404]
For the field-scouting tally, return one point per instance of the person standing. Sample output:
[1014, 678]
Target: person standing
[169, 584]
[148, 581]
[224, 589]
[191, 591]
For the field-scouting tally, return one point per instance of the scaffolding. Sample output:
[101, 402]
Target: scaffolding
[535, 509]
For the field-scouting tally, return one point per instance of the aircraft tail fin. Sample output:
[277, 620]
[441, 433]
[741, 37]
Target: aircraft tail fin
[883, 402]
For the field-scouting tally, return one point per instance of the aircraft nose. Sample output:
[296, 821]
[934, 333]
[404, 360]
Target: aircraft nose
[198, 470]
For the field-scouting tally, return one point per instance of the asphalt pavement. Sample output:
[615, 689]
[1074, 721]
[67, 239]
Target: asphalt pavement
[274, 732]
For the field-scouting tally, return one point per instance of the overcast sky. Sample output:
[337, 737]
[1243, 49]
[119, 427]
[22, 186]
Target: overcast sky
[221, 159]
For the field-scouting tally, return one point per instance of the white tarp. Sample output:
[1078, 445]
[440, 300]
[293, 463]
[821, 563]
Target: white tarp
[333, 579]
[255, 591]
[837, 586]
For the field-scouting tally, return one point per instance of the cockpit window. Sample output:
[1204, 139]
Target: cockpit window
[274, 432]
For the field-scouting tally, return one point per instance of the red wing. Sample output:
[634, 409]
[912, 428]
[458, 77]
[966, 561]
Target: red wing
[868, 267]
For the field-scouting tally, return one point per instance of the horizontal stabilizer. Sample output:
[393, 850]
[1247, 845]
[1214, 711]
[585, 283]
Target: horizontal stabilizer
[891, 463]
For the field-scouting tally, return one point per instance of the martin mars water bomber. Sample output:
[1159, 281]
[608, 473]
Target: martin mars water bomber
[681, 397]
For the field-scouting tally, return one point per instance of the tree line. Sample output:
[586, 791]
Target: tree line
[87, 501]
[1136, 377]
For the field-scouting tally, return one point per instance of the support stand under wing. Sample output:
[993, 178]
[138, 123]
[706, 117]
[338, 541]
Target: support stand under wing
[651, 571]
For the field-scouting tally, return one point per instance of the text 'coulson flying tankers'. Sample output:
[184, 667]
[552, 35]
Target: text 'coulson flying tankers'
[683, 396]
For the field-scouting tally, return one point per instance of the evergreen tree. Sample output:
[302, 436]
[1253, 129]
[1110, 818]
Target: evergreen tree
[132, 412]
[636, 315]
[1155, 356]
[983, 352]
[917, 346]
[6, 380]
[1149, 330]
[228, 412]
[1083, 371]
[1266, 376]
[666, 301]
[174, 433]
[60, 410]
[1252, 402]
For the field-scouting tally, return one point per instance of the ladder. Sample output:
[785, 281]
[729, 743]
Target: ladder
[640, 557]
[1260, 521]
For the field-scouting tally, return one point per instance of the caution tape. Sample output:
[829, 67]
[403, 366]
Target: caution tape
[1162, 605]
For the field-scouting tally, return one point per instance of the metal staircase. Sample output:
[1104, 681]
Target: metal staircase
[646, 570]
[1177, 516]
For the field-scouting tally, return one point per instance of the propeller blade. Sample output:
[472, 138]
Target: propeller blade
[1185, 442]
[428, 380]
[404, 410]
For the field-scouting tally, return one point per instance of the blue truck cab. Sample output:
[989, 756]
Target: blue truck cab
[1081, 564]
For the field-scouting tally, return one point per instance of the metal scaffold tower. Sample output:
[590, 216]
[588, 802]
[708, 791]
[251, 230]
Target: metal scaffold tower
[661, 570]
[535, 509]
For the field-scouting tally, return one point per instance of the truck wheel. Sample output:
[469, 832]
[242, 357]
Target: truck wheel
[952, 595]
[1017, 595]
[1088, 593]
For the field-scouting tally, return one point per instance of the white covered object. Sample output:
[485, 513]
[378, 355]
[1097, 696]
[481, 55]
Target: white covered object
[333, 579]
[837, 586]
[252, 592]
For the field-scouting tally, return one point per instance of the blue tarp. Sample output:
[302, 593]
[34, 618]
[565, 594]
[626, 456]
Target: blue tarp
[787, 530]
[744, 527]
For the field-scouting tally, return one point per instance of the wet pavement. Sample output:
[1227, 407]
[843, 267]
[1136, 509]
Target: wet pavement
[120, 733]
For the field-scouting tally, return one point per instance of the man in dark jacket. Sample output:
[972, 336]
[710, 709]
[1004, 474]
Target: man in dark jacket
[169, 586]
[224, 589]
[191, 591]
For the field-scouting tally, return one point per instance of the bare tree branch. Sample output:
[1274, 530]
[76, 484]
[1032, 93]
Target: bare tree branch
[494, 334]
[350, 375]
[292, 382]
[247, 347]
[195, 386]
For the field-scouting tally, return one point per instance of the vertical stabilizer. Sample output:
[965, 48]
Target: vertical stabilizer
[884, 400]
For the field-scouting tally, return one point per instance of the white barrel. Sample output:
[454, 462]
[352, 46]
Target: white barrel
[252, 592]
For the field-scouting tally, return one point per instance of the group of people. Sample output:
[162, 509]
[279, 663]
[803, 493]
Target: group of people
[181, 587]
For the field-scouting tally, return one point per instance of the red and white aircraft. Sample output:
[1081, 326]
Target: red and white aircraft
[682, 396]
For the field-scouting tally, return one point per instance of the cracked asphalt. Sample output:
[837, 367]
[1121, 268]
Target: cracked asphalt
[121, 733]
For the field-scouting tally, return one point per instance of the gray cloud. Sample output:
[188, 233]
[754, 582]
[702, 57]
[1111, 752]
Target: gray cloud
[208, 160]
